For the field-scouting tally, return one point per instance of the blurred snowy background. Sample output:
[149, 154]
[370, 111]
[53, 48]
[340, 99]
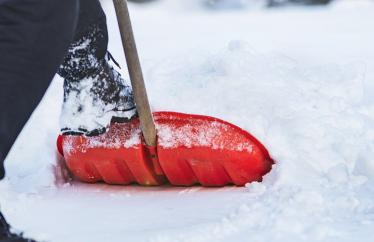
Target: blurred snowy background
[299, 76]
[237, 4]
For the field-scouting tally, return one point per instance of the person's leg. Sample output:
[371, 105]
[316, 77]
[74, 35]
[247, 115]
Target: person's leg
[34, 37]
[94, 92]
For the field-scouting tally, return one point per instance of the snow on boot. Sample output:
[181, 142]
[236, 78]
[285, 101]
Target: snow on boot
[94, 92]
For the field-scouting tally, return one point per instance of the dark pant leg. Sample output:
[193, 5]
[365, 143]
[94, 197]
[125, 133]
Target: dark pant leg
[90, 42]
[34, 37]
[90, 13]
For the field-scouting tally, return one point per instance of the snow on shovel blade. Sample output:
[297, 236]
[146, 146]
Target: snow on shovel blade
[191, 149]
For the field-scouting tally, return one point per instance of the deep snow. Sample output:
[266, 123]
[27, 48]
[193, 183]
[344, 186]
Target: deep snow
[300, 80]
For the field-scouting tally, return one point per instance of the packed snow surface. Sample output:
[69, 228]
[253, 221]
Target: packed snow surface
[299, 79]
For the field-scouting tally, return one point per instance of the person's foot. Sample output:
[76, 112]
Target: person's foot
[95, 101]
[95, 94]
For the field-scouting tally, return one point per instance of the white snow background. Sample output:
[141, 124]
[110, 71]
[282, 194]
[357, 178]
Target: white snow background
[300, 79]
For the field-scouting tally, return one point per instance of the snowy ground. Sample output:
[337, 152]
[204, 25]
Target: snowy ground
[301, 80]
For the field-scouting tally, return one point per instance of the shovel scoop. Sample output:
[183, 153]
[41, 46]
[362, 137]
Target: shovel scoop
[191, 149]
[164, 147]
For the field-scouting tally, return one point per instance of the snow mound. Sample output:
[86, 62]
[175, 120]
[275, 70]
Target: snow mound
[313, 114]
[314, 122]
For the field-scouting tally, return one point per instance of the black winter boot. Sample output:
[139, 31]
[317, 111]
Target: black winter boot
[94, 92]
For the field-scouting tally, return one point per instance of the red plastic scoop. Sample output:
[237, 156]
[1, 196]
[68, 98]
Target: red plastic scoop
[179, 148]
[191, 149]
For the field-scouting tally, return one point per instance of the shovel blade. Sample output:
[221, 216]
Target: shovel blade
[191, 149]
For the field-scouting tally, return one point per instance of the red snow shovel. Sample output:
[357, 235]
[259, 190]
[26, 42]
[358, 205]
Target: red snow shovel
[181, 149]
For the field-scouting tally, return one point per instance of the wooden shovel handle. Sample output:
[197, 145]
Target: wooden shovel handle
[135, 71]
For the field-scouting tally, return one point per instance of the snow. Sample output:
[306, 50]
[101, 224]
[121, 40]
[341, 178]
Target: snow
[202, 133]
[299, 79]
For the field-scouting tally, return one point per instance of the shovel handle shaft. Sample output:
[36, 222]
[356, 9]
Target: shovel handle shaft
[135, 71]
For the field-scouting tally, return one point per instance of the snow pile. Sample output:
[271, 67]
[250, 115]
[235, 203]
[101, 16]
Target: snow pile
[314, 113]
[314, 121]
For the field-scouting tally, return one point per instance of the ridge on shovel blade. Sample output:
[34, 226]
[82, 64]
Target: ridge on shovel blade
[191, 149]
